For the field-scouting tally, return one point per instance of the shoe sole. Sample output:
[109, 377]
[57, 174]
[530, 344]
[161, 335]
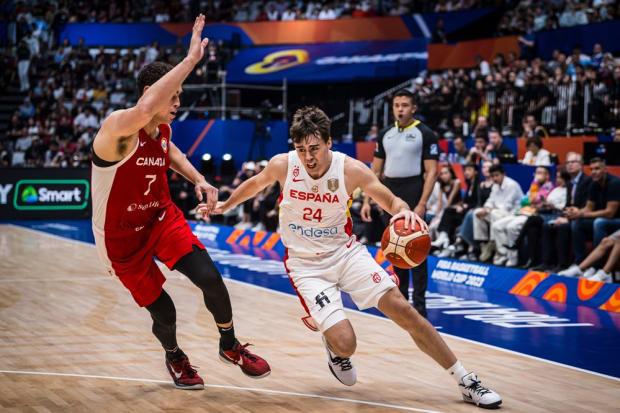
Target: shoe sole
[334, 374]
[484, 406]
[232, 364]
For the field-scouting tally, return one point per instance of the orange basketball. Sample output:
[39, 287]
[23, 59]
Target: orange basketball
[405, 248]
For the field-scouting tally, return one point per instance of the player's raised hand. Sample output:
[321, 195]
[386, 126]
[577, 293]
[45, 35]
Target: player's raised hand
[197, 44]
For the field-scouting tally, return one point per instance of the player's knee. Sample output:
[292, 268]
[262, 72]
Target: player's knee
[208, 279]
[607, 242]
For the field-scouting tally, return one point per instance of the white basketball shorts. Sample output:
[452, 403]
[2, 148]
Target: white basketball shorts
[319, 280]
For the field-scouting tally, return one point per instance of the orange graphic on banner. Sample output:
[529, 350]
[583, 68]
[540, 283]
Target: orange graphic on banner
[587, 289]
[527, 284]
[380, 258]
[613, 304]
[232, 238]
[446, 56]
[258, 237]
[271, 241]
[557, 292]
[245, 241]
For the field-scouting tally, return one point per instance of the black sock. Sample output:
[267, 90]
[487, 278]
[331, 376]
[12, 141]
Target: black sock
[175, 355]
[227, 337]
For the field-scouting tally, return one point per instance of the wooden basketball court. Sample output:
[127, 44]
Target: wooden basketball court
[73, 340]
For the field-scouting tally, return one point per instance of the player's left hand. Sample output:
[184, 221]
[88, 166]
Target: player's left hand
[211, 194]
[410, 217]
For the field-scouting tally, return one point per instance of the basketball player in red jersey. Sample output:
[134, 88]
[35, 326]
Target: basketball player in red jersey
[135, 220]
[323, 256]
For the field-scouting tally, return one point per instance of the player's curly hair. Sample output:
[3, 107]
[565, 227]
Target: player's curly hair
[310, 120]
[151, 73]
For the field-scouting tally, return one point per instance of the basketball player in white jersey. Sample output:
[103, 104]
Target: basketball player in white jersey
[324, 257]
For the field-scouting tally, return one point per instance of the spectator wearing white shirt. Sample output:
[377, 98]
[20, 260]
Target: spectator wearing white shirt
[288, 15]
[86, 119]
[151, 53]
[540, 19]
[327, 13]
[505, 197]
[573, 15]
[536, 155]
[272, 13]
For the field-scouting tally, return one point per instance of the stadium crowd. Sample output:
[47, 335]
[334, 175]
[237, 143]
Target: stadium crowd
[69, 89]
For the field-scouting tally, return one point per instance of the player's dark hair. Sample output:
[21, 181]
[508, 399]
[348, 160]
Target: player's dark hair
[497, 168]
[310, 120]
[151, 73]
[405, 93]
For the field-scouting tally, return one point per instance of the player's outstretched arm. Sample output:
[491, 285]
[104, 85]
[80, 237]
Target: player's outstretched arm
[361, 176]
[274, 171]
[156, 97]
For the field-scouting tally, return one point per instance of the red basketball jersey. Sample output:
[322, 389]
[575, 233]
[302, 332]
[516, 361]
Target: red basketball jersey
[130, 195]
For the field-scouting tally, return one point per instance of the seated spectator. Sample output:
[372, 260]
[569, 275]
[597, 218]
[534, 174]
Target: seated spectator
[372, 134]
[532, 128]
[588, 267]
[439, 33]
[506, 230]
[461, 153]
[505, 197]
[601, 214]
[496, 151]
[556, 237]
[481, 126]
[453, 216]
[459, 127]
[536, 155]
[450, 187]
[478, 152]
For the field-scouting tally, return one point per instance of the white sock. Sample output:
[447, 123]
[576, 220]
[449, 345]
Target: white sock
[457, 371]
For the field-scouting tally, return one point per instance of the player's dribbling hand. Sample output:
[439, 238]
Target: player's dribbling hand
[410, 217]
[197, 44]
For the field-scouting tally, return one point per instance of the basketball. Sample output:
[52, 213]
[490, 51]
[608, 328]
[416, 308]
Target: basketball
[405, 248]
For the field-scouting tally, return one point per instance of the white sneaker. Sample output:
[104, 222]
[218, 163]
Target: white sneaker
[442, 240]
[601, 275]
[474, 392]
[589, 272]
[341, 368]
[512, 258]
[499, 259]
[447, 252]
[572, 271]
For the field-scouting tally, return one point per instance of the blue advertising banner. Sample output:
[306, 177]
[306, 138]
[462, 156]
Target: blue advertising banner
[329, 62]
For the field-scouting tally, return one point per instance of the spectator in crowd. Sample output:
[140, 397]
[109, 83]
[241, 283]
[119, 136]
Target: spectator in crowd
[460, 149]
[496, 151]
[459, 127]
[439, 33]
[588, 267]
[617, 135]
[549, 210]
[506, 230]
[453, 216]
[372, 134]
[556, 239]
[23, 65]
[601, 214]
[536, 155]
[478, 152]
[505, 197]
[450, 189]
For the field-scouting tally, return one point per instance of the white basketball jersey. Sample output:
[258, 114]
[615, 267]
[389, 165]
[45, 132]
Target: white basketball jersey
[314, 213]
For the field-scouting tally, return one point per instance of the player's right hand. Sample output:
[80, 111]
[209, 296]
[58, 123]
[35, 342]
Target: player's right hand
[219, 209]
[197, 44]
[365, 212]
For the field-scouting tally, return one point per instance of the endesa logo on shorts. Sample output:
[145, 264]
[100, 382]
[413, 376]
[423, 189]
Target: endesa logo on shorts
[309, 232]
[47, 194]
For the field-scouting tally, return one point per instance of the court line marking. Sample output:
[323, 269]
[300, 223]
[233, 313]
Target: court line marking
[555, 363]
[220, 386]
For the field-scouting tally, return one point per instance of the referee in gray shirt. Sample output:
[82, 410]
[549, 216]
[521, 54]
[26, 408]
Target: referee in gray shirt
[403, 155]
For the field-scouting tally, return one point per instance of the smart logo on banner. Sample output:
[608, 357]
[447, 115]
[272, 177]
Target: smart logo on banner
[50, 194]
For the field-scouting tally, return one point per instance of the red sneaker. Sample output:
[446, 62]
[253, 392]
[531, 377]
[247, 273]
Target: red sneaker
[184, 375]
[251, 364]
